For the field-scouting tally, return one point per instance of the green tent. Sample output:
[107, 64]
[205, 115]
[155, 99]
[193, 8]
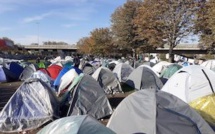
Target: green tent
[170, 70]
[41, 65]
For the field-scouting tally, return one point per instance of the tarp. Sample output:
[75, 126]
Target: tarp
[155, 112]
[144, 77]
[79, 124]
[88, 97]
[32, 105]
[43, 76]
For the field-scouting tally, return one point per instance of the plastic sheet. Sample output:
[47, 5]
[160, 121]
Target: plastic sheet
[206, 107]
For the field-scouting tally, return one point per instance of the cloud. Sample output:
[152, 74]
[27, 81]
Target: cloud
[36, 18]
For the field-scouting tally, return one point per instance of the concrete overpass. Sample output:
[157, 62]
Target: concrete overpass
[181, 51]
[49, 49]
[68, 49]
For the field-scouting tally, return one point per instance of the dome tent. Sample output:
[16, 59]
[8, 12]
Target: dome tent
[122, 71]
[32, 105]
[170, 70]
[160, 66]
[152, 111]
[85, 96]
[78, 124]
[210, 64]
[27, 72]
[107, 80]
[144, 77]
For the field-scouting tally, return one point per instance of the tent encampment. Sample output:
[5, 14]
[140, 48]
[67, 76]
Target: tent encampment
[152, 111]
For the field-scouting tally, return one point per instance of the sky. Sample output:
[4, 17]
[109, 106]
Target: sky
[33, 21]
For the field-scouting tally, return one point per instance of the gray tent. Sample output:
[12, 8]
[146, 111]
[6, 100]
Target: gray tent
[144, 77]
[27, 72]
[156, 112]
[32, 105]
[107, 80]
[122, 71]
[88, 69]
[88, 97]
[79, 124]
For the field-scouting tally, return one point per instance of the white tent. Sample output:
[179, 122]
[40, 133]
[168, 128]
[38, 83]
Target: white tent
[191, 82]
[210, 64]
[195, 85]
[160, 66]
[67, 79]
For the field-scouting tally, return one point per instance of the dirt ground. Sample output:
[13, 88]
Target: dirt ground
[8, 89]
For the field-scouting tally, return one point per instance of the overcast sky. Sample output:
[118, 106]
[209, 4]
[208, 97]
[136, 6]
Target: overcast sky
[24, 21]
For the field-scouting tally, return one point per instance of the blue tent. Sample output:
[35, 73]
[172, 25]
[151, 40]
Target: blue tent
[16, 69]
